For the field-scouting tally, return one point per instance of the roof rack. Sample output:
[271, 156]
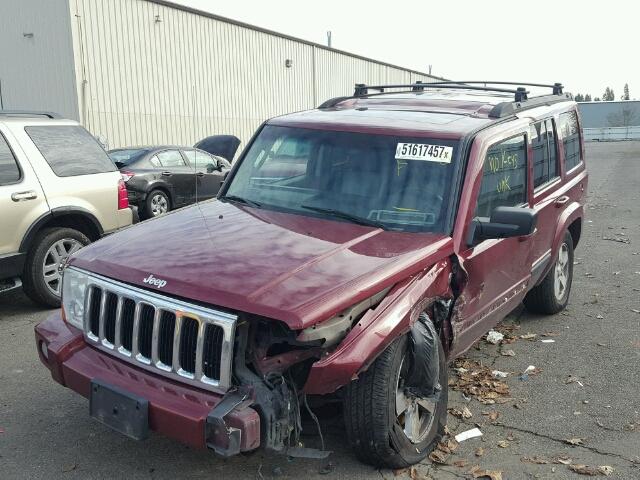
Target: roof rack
[521, 94]
[28, 113]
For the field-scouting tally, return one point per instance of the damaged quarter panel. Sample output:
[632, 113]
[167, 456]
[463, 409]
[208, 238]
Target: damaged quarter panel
[379, 327]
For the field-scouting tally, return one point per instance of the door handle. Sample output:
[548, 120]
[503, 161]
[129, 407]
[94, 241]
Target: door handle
[560, 201]
[200, 174]
[166, 174]
[23, 196]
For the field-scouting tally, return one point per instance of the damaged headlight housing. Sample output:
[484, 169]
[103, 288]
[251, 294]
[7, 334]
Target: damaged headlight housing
[333, 330]
[74, 291]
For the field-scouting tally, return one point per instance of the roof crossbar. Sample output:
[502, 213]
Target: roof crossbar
[362, 90]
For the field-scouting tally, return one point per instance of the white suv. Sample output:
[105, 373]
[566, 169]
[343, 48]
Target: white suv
[59, 191]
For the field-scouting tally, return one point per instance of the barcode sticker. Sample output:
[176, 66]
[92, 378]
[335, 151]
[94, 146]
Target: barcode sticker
[425, 152]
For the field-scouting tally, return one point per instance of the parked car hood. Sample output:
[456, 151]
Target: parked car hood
[293, 268]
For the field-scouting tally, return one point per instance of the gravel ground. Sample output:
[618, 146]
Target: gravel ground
[45, 430]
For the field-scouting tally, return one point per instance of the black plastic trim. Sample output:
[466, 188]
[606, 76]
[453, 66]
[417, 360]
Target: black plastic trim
[11, 265]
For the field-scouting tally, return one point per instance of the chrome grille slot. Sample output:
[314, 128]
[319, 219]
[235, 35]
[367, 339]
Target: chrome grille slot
[165, 337]
[188, 343]
[110, 307]
[213, 338]
[145, 329]
[173, 338]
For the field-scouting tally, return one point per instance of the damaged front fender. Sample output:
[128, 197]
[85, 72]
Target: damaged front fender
[392, 318]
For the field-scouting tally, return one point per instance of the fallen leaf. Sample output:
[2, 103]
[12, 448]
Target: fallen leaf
[503, 444]
[584, 470]
[510, 353]
[574, 441]
[528, 336]
[537, 460]
[563, 459]
[460, 463]
[478, 472]
[606, 470]
[438, 456]
[479, 452]
[493, 415]
[464, 413]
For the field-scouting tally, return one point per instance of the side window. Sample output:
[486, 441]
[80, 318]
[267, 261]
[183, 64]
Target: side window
[543, 144]
[171, 158]
[504, 176]
[9, 171]
[70, 150]
[568, 126]
[155, 162]
[191, 157]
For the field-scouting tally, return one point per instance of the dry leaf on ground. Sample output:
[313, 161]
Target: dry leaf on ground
[537, 460]
[606, 470]
[438, 456]
[477, 381]
[479, 452]
[503, 444]
[528, 336]
[585, 470]
[562, 459]
[478, 472]
[574, 441]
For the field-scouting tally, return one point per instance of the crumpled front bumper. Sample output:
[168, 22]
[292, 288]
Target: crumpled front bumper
[176, 411]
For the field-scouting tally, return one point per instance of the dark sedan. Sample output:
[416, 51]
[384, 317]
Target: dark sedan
[162, 178]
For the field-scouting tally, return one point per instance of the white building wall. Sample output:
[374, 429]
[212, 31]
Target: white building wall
[36, 57]
[156, 74]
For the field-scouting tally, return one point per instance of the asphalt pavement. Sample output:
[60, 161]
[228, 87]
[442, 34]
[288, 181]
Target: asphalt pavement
[584, 388]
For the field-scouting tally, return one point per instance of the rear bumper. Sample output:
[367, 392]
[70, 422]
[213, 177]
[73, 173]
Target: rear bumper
[176, 411]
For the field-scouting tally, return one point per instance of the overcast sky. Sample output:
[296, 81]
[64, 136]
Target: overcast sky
[586, 47]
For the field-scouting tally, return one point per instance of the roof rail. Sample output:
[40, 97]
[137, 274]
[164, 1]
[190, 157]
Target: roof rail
[520, 102]
[362, 90]
[28, 113]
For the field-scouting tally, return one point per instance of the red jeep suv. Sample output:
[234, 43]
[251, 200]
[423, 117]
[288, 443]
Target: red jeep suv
[352, 251]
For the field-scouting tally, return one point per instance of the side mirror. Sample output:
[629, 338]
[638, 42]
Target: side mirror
[505, 222]
[213, 168]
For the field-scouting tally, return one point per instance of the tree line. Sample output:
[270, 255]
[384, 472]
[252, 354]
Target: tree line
[607, 96]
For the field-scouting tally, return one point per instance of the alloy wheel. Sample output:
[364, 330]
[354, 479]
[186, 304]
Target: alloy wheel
[414, 414]
[561, 273]
[54, 261]
[159, 205]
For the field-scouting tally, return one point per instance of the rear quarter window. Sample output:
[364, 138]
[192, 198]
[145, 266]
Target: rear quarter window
[9, 171]
[70, 150]
[570, 132]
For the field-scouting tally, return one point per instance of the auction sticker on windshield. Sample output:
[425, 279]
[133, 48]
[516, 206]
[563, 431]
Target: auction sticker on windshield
[423, 151]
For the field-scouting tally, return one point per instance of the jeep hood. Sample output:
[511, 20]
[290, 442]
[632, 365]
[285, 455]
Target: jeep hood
[293, 268]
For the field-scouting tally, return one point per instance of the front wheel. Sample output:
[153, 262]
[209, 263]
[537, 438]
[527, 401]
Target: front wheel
[552, 294]
[388, 425]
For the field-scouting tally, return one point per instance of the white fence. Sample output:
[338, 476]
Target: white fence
[611, 134]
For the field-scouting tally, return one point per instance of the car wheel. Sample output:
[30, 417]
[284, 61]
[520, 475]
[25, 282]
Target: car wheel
[552, 294]
[42, 279]
[157, 204]
[386, 425]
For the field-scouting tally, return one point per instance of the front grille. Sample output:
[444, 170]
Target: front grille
[176, 339]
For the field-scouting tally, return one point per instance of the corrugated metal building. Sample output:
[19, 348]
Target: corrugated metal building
[150, 72]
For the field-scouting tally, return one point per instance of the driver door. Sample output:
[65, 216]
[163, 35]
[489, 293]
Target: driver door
[498, 270]
[209, 173]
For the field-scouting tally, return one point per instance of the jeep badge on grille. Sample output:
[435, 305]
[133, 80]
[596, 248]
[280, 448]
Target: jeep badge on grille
[151, 280]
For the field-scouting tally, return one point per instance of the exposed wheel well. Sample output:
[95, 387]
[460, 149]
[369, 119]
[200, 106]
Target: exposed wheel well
[575, 229]
[77, 221]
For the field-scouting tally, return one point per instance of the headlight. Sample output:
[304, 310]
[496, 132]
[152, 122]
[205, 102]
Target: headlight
[74, 290]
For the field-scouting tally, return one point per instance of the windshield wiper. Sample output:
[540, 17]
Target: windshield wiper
[346, 216]
[244, 201]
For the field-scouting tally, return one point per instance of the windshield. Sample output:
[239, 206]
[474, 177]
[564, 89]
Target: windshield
[398, 183]
[122, 158]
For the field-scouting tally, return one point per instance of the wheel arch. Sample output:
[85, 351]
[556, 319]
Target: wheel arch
[164, 188]
[64, 217]
[378, 328]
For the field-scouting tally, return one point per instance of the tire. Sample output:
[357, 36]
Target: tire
[156, 204]
[49, 249]
[544, 298]
[371, 420]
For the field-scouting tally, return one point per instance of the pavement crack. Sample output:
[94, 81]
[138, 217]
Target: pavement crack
[563, 442]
